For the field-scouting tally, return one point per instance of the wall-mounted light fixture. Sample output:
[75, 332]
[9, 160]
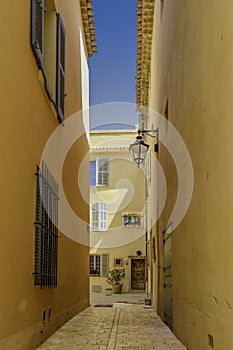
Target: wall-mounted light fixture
[139, 148]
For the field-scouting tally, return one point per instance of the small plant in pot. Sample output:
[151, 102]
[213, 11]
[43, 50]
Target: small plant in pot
[115, 278]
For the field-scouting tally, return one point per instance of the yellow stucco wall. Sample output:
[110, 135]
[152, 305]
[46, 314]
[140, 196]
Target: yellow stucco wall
[27, 123]
[126, 252]
[125, 193]
[192, 69]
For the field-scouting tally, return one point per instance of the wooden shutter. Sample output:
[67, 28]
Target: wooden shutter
[95, 217]
[104, 265]
[37, 29]
[60, 86]
[104, 217]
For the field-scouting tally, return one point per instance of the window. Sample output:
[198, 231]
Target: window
[102, 171]
[99, 172]
[48, 43]
[99, 217]
[95, 265]
[132, 220]
[99, 265]
[117, 262]
[92, 173]
[46, 231]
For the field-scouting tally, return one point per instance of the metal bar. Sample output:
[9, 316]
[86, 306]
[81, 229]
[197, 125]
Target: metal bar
[54, 192]
[156, 131]
[46, 231]
[45, 227]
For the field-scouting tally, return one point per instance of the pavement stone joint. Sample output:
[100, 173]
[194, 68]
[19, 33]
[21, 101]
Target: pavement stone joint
[124, 326]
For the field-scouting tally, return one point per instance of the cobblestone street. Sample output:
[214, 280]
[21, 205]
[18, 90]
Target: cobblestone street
[118, 326]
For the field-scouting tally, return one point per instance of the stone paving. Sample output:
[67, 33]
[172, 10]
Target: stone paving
[109, 298]
[121, 326]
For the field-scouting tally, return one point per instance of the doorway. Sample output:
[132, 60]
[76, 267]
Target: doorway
[138, 274]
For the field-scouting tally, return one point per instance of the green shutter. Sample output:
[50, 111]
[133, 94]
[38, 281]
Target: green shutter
[37, 29]
[104, 265]
[60, 84]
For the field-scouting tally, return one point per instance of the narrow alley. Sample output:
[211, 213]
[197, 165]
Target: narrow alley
[116, 175]
[129, 324]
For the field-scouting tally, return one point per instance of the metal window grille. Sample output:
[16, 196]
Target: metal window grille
[46, 229]
[132, 220]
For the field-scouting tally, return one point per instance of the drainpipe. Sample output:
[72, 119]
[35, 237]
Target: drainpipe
[146, 274]
[146, 242]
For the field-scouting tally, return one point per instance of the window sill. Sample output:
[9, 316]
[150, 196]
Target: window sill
[132, 226]
[94, 275]
[101, 186]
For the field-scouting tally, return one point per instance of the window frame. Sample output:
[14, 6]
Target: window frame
[101, 266]
[92, 172]
[132, 225]
[118, 265]
[102, 175]
[99, 217]
[95, 265]
[38, 46]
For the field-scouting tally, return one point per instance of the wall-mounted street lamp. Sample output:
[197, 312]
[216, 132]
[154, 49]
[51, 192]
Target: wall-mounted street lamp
[139, 148]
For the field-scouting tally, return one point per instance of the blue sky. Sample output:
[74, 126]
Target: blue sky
[113, 68]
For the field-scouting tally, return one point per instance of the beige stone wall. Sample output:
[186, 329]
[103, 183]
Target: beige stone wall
[192, 68]
[27, 122]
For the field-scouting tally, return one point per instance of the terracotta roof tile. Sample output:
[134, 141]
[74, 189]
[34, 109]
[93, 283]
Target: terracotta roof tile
[88, 25]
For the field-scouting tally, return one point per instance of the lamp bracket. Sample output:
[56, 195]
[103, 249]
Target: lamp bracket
[152, 133]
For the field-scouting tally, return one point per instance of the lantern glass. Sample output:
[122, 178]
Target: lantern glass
[138, 150]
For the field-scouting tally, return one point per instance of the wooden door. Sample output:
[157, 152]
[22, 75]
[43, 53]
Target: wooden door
[138, 274]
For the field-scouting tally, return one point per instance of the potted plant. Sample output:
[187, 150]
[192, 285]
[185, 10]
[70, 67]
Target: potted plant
[115, 278]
